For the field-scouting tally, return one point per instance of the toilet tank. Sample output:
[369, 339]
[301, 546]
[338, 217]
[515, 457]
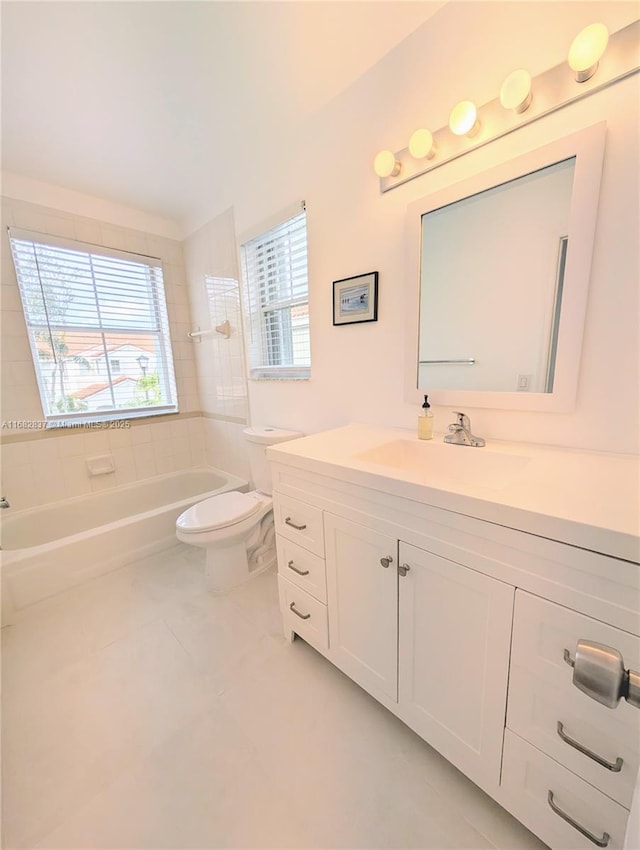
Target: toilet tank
[259, 438]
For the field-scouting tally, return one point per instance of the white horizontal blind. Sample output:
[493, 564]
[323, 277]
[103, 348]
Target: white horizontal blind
[98, 329]
[274, 267]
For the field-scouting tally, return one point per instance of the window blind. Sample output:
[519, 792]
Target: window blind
[274, 266]
[98, 329]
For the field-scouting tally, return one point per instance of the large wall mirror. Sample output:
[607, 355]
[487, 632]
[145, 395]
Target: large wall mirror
[498, 280]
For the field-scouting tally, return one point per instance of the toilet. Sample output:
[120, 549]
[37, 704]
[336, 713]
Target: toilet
[236, 529]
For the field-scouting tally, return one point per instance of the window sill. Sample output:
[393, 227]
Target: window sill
[113, 419]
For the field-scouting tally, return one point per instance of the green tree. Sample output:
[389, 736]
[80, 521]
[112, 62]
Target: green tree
[148, 392]
[57, 350]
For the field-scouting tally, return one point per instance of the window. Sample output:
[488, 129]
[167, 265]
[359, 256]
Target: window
[98, 329]
[274, 267]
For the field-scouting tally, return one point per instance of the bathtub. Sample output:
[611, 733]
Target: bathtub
[54, 547]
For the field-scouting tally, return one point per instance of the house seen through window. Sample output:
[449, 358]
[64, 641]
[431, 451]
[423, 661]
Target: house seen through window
[98, 329]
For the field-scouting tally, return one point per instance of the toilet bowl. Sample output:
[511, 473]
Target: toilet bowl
[236, 529]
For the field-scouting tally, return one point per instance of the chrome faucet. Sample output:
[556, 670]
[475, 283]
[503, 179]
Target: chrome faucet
[4, 503]
[460, 432]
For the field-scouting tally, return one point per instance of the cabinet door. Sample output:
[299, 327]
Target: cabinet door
[454, 639]
[362, 596]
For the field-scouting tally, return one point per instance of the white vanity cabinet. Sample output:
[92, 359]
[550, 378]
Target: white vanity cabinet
[453, 650]
[362, 596]
[459, 626]
[426, 636]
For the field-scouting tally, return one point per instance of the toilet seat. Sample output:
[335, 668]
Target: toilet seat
[222, 511]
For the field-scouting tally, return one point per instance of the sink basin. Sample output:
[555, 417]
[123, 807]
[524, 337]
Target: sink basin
[441, 462]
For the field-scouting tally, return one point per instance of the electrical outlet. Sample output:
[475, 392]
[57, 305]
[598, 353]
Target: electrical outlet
[524, 383]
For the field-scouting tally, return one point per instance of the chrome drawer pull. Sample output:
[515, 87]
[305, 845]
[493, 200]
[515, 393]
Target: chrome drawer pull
[296, 570]
[614, 767]
[599, 672]
[568, 659]
[297, 613]
[599, 842]
[293, 525]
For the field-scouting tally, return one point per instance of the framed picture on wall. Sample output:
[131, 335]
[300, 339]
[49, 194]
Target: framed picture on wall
[355, 299]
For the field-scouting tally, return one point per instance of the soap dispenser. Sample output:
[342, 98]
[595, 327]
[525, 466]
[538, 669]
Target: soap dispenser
[425, 421]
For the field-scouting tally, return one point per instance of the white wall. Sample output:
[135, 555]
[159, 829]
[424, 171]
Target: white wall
[463, 52]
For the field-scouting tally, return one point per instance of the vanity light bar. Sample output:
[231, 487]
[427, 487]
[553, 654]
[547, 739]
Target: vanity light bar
[549, 91]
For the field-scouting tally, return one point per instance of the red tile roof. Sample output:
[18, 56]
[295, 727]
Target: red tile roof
[92, 389]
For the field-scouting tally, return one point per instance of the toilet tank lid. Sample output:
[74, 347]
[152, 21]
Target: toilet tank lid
[268, 436]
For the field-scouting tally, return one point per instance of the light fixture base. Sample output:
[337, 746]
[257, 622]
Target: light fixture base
[526, 103]
[586, 73]
[474, 130]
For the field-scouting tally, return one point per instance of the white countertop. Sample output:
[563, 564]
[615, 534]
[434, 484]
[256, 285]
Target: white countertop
[586, 499]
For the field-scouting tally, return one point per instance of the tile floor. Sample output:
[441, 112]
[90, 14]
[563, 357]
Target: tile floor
[140, 711]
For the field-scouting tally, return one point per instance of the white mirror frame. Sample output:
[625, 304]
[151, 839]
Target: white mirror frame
[587, 146]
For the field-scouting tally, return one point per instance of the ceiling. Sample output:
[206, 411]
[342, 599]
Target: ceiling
[140, 102]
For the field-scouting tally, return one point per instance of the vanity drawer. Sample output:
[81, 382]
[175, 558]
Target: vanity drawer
[299, 522]
[303, 614]
[302, 567]
[547, 717]
[528, 777]
[541, 695]
[542, 630]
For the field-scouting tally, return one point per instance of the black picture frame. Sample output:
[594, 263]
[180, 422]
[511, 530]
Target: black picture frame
[355, 299]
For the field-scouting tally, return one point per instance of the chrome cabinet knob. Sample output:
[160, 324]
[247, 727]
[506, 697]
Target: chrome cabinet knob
[386, 561]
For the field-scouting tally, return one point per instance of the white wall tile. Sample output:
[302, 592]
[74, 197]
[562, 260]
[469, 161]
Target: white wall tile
[49, 480]
[125, 465]
[144, 461]
[20, 489]
[162, 449]
[140, 434]
[100, 483]
[96, 443]
[76, 478]
[119, 438]
[71, 445]
[165, 464]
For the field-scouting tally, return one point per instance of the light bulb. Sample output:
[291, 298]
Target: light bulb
[386, 165]
[463, 119]
[586, 50]
[515, 92]
[421, 144]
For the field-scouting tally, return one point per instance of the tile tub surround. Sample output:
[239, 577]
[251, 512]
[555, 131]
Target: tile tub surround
[141, 711]
[149, 447]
